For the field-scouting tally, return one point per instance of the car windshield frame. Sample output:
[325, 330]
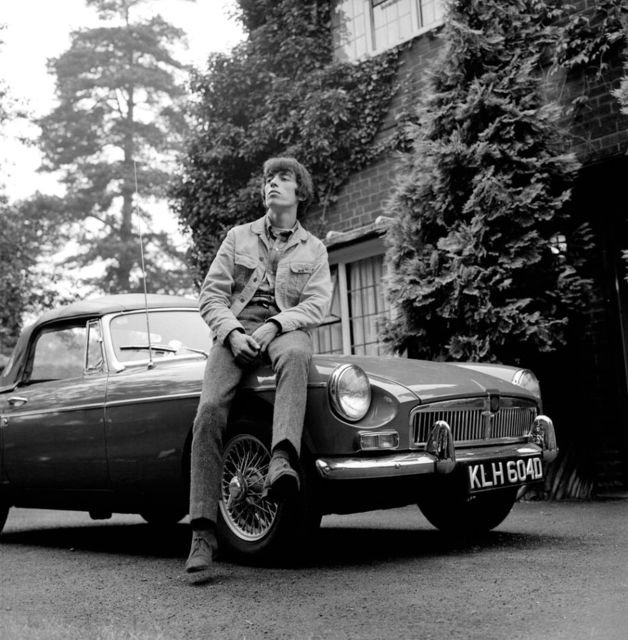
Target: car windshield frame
[164, 354]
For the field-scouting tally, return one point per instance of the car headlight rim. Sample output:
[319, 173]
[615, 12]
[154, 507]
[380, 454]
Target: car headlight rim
[526, 379]
[349, 392]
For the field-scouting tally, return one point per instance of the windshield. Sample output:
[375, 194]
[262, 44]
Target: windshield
[172, 333]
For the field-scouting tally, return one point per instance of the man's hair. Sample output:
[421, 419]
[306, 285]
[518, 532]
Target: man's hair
[305, 187]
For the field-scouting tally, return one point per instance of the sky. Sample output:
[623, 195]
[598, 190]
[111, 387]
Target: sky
[40, 29]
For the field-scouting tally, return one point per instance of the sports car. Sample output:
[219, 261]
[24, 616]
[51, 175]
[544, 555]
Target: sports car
[98, 398]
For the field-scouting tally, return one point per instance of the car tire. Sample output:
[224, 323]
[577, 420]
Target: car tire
[163, 518]
[463, 514]
[250, 526]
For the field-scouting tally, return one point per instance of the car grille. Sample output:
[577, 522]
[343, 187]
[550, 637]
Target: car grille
[474, 421]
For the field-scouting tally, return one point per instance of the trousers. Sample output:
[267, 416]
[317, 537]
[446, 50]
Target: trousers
[290, 355]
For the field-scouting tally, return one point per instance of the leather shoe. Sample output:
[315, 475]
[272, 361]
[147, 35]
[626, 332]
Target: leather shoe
[282, 481]
[201, 556]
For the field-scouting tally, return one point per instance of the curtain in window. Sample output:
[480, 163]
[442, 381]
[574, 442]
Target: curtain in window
[367, 304]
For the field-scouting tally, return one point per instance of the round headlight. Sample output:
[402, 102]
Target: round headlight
[350, 392]
[526, 379]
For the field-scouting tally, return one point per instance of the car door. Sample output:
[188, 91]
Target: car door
[53, 426]
[150, 407]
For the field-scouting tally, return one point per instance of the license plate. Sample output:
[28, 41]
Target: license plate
[504, 473]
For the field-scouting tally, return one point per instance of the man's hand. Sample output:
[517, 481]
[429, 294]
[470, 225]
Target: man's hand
[245, 348]
[265, 334]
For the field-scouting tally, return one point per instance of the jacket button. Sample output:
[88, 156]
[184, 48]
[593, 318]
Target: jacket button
[254, 279]
[241, 299]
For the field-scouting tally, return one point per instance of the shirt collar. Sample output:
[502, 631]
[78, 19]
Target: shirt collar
[272, 232]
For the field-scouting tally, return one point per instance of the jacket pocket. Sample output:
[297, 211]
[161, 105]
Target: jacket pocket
[244, 267]
[298, 275]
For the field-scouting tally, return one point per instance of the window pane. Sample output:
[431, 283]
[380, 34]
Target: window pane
[59, 353]
[94, 347]
[328, 337]
[172, 333]
[431, 12]
[349, 32]
[364, 27]
[392, 23]
[367, 305]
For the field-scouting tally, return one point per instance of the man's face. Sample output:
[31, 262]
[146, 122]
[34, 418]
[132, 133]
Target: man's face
[280, 190]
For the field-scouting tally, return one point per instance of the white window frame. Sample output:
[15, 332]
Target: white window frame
[340, 259]
[369, 25]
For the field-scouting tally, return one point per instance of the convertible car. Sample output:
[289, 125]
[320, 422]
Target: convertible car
[98, 398]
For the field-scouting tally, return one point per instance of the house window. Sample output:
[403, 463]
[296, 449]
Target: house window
[367, 27]
[358, 306]
[328, 337]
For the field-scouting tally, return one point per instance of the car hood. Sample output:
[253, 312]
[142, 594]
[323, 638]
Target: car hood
[406, 379]
[427, 380]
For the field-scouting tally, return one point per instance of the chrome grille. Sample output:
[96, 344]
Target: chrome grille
[513, 422]
[472, 421]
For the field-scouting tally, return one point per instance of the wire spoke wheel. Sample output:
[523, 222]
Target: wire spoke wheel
[245, 463]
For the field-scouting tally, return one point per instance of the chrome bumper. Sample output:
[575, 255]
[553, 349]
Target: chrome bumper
[439, 456]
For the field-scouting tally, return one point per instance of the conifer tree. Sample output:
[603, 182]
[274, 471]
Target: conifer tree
[118, 122]
[479, 250]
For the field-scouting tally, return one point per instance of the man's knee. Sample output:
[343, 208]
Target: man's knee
[295, 356]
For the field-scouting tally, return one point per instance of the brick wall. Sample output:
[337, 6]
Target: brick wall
[361, 199]
[598, 130]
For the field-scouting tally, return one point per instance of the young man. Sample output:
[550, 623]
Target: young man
[268, 284]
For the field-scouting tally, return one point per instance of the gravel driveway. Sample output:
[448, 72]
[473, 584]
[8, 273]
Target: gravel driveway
[551, 571]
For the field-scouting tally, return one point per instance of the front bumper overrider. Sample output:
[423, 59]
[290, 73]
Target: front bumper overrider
[439, 455]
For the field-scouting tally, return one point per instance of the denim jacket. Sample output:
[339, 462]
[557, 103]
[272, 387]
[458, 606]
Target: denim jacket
[302, 286]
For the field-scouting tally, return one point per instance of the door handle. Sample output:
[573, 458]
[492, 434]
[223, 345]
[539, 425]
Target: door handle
[17, 401]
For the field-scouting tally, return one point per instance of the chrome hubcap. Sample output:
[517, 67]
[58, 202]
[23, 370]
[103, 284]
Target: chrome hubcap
[236, 489]
[246, 513]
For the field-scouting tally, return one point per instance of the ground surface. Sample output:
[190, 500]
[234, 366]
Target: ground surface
[552, 571]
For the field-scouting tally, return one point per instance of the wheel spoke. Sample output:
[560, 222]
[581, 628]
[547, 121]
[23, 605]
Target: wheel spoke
[248, 514]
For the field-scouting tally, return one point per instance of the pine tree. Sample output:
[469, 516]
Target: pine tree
[119, 116]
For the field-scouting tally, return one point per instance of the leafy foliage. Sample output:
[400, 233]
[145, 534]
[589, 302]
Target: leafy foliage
[480, 268]
[278, 93]
[588, 46]
[118, 89]
[590, 43]
[27, 236]
[24, 239]
[622, 92]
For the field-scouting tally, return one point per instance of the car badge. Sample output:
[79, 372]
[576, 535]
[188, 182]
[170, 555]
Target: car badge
[493, 400]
